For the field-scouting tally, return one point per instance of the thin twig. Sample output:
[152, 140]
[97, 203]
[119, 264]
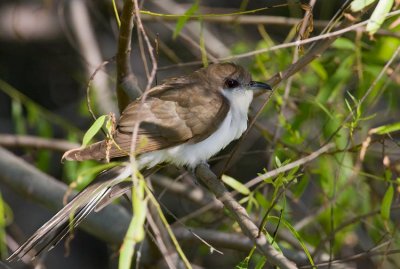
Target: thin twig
[28, 141]
[289, 166]
[88, 102]
[327, 40]
[160, 237]
[193, 194]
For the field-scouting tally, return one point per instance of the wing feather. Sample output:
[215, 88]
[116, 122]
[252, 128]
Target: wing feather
[172, 113]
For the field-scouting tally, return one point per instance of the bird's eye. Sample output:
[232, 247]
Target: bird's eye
[231, 83]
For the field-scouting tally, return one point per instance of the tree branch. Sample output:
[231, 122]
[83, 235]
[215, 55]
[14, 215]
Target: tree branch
[28, 141]
[109, 225]
[127, 85]
[243, 219]
[90, 51]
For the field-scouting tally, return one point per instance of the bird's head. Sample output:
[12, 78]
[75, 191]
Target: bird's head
[231, 77]
[234, 82]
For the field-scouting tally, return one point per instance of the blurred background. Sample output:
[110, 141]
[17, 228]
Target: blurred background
[340, 205]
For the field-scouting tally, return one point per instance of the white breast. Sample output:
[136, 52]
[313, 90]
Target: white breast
[233, 126]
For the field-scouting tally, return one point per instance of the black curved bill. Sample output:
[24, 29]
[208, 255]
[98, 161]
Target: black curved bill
[259, 85]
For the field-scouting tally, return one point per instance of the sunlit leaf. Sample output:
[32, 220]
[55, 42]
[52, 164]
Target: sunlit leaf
[93, 130]
[278, 162]
[385, 129]
[135, 233]
[358, 5]
[379, 15]
[234, 184]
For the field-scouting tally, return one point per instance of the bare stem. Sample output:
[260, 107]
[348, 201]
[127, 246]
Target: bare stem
[127, 86]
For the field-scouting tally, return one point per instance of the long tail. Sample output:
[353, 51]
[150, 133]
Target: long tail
[107, 185]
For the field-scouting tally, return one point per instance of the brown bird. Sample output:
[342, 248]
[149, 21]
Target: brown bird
[184, 121]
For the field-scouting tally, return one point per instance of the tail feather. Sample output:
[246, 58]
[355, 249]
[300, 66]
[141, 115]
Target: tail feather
[71, 215]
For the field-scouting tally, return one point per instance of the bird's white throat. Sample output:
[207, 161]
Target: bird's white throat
[232, 127]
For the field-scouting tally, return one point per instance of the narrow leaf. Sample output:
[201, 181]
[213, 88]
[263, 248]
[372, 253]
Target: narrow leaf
[236, 185]
[243, 264]
[86, 175]
[183, 19]
[358, 5]
[18, 117]
[93, 130]
[3, 223]
[296, 235]
[385, 129]
[387, 202]
[135, 233]
[379, 16]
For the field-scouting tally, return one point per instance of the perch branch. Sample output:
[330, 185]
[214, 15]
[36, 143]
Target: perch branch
[243, 219]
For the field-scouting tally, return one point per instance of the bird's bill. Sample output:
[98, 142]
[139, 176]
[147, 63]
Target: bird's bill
[255, 85]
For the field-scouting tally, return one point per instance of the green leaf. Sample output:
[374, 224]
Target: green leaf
[296, 235]
[44, 156]
[33, 114]
[260, 264]
[70, 169]
[135, 233]
[183, 19]
[379, 16]
[278, 162]
[243, 264]
[93, 130]
[344, 44]
[385, 129]
[236, 185]
[387, 202]
[18, 117]
[319, 69]
[89, 173]
[3, 223]
[358, 5]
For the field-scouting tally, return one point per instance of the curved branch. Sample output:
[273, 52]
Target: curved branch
[239, 213]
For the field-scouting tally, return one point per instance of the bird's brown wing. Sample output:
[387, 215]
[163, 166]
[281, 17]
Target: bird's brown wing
[171, 114]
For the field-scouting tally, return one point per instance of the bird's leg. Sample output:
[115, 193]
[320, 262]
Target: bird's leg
[192, 171]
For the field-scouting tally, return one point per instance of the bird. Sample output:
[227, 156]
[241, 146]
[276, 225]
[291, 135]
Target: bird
[183, 121]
